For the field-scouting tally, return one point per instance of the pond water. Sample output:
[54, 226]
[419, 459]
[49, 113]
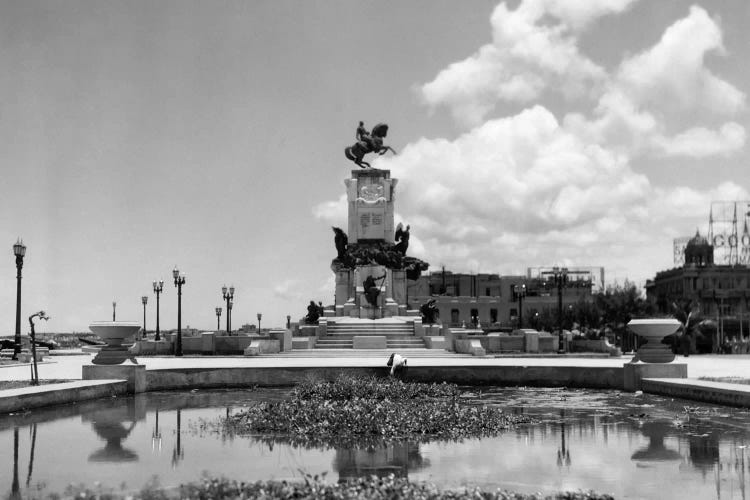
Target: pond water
[632, 446]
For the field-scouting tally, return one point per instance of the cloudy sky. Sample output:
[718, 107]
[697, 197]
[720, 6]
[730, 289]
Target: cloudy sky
[141, 135]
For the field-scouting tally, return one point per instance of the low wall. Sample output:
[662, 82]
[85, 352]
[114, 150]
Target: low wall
[698, 390]
[539, 376]
[232, 344]
[27, 398]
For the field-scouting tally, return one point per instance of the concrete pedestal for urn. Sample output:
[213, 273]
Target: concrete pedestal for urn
[653, 359]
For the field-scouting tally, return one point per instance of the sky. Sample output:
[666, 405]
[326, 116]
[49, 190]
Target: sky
[139, 136]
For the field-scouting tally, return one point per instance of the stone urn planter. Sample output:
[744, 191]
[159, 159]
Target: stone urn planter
[114, 333]
[653, 330]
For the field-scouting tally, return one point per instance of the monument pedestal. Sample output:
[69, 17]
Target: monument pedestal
[636, 371]
[133, 373]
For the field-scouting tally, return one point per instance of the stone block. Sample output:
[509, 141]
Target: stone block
[419, 329]
[369, 342]
[262, 346]
[284, 337]
[192, 345]
[469, 346]
[235, 344]
[633, 373]
[303, 343]
[308, 330]
[531, 342]
[390, 309]
[435, 342]
[134, 374]
[208, 342]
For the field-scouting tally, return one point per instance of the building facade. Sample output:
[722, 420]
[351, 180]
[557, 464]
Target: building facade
[717, 291]
[490, 300]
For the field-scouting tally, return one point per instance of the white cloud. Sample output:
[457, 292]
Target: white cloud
[529, 189]
[665, 86]
[699, 142]
[333, 212]
[527, 56]
[672, 74]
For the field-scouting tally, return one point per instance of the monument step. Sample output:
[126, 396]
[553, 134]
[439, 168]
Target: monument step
[364, 328]
[369, 353]
[350, 336]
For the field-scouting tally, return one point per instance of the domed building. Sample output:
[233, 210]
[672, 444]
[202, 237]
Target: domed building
[699, 251]
[719, 292]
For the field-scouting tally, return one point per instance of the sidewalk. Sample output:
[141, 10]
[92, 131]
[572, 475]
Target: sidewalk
[69, 367]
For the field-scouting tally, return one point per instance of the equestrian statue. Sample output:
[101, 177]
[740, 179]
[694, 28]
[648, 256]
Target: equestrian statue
[371, 142]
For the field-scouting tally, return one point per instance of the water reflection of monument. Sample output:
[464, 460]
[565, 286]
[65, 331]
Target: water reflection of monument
[113, 423]
[397, 459]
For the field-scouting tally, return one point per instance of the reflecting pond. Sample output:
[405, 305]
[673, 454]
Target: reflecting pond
[632, 446]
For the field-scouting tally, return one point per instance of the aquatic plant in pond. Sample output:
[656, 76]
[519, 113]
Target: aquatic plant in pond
[347, 387]
[362, 412]
[314, 487]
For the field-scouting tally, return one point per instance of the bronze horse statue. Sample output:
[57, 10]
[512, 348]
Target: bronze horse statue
[368, 143]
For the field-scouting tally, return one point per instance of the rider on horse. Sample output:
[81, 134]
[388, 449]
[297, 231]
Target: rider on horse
[368, 143]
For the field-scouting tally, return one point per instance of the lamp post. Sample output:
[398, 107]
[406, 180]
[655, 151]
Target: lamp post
[230, 304]
[259, 317]
[179, 280]
[158, 287]
[114, 308]
[560, 276]
[228, 295]
[144, 301]
[218, 318]
[520, 292]
[19, 249]
[288, 322]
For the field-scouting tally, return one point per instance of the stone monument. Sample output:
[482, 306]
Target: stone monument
[371, 252]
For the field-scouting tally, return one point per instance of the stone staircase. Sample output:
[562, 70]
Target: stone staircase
[384, 354]
[399, 334]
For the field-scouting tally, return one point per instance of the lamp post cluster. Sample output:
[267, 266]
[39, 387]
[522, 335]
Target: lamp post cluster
[560, 277]
[218, 319]
[519, 292]
[228, 295]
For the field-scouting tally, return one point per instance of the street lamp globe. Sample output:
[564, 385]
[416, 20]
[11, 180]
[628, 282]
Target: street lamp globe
[19, 249]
